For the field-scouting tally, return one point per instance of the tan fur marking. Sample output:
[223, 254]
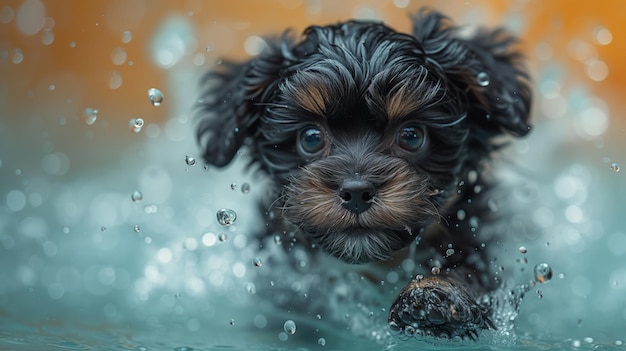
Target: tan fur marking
[400, 104]
[314, 98]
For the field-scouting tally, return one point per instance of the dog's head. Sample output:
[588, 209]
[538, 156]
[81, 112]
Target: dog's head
[366, 129]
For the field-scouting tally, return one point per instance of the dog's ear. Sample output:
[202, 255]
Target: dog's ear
[487, 72]
[231, 103]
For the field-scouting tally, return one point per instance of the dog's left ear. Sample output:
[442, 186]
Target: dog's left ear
[484, 68]
[231, 104]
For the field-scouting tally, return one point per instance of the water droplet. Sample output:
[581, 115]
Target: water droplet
[615, 167]
[277, 239]
[233, 186]
[460, 214]
[91, 115]
[522, 249]
[222, 237]
[231, 322]
[137, 229]
[321, 341]
[150, 209]
[183, 348]
[435, 270]
[135, 124]
[190, 160]
[449, 252]
[226, 216]
[136, 196]
[540, 293]
[251, 288]
[257, 262]
[483, 79]
[119, 56]
[18, 56]
[127, 37]
[245, 188]
[103, 229]
[156, 96]
[543, 272]
[290, 327]
[48, 37]
[319, 316]
[115, 80]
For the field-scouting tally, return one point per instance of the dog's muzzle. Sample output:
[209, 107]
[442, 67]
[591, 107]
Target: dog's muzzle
[357, 194]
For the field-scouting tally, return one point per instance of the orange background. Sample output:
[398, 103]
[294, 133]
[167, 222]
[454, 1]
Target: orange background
[96, 28]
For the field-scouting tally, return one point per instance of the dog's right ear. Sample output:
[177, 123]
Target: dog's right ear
[231, 103]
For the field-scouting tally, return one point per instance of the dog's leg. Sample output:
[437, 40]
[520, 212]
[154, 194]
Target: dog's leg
[451, 303]
[440, 306]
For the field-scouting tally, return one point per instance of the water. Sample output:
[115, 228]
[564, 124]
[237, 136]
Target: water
[190, 160]
[135, 124]
[483, 79]
[289, 327]
[245, 188]
[226, 216]
[543, 273]
[136, 196]
[155, 96]
[90, 115]
[88, 265]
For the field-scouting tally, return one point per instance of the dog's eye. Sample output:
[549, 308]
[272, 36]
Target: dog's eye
[411, 138]
[311, 140]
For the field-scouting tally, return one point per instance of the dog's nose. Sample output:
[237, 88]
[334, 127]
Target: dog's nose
[357, 195]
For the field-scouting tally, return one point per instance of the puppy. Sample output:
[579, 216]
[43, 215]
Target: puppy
[379, 141]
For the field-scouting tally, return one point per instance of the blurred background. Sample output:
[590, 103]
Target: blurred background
[108, 234]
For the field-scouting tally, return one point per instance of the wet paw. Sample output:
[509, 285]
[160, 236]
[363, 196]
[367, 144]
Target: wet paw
[438, 306]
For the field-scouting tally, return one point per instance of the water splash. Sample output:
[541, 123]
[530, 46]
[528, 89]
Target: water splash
[245, 188]
[155, 96]
[90, 115]
[482, 79]
[615, 167]
[226, 216]
[190, 160]
[136, 196]
[127, 37]
[289, 327]
[543, 273]
[135, 124]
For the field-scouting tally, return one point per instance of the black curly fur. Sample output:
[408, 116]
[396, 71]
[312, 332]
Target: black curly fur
[358, 84]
